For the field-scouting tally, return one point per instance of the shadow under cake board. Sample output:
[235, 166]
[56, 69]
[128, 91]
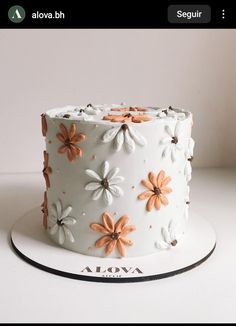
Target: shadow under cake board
[29, 240]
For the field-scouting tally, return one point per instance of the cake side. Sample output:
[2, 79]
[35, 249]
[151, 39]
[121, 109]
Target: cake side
[117, 178]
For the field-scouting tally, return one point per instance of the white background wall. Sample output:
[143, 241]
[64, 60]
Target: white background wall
[192, 69]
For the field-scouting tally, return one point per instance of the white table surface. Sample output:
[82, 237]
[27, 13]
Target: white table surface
[204, 294]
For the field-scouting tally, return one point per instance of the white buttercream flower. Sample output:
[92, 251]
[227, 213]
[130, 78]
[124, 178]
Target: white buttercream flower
[105, 183]
[172, 142]
[170, 236]
[189, 158]
[61, 220]
[170, 113]
[124, 135]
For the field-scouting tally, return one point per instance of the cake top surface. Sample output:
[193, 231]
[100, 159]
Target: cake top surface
[117, 113]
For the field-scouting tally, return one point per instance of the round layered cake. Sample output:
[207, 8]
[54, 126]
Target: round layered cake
[116, 178]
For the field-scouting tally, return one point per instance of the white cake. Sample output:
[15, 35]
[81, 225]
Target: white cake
[116, 178]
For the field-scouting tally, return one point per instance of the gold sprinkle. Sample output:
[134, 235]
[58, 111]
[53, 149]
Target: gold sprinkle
[93, 157]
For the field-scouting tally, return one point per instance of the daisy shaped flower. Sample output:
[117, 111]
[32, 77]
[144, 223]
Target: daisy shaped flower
[170, 236]
[70, 139]
[172, 142]
[86, 113]
[189, 158]
[114, 234]
[61, 221]
[105, 183]
[157, 189]
[124, 135]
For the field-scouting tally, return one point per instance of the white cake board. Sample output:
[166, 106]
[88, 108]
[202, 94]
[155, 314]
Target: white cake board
[31, 243]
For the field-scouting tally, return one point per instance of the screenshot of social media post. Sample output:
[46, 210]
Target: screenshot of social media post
[118, 162]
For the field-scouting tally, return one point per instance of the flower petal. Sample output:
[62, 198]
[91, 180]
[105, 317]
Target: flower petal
[178, 129]
[112, 173]
[68, 234]
[61, 137]
[53, 230]
[166, 235]
[173, 154]
[108, 222]
[71, 155]
[119, 140]
[150, 203]
[93, 174]
[129, 143]
[152, 178]
[61, 235]
[166, 151]
[127, 229]
[125, 241]
[166, 190]
[66, 212]
[64, 130]
[157, 203]
[179, 146]
[104, 169]
[109, 248]
[162, 245]
[163, 199]
[103, 241]
[97, 193]
[169, 132]
[165, 140]
[121, 223]
[99, 228]
[107, 197]
[62, 149]
[116, 180]
[59, 209]
[77, 138]
[92, 186]
[69, 220]
[160, 177]
[109, 135]
[147, 184]
[116, 191]
[137, 137]
[121, 248]
[165, 182]
[72, 130]
[145, 194]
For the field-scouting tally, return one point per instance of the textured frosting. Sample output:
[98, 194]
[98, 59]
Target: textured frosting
[116, 178]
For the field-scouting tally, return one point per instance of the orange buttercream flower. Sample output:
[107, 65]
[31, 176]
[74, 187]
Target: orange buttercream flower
[131, 108]
[114, 234]
[127, 117]
[47, 169]
[157, 189]
[44, 210]
[70, 138]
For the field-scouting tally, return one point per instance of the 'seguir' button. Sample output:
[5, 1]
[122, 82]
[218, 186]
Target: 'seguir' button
[189, 14]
